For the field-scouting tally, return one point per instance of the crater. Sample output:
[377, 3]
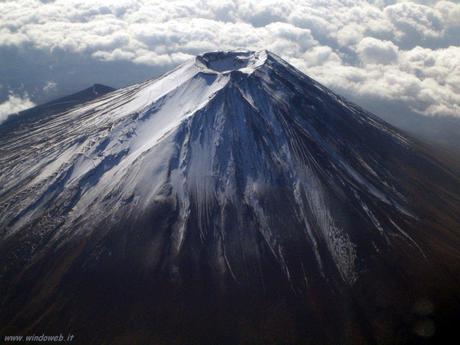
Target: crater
[228, 61]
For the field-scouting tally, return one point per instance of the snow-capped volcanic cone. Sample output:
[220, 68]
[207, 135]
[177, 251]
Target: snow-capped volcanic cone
[233, 200]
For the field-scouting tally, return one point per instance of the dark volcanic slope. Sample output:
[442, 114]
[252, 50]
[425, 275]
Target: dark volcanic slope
[231, 201]
[29, 116]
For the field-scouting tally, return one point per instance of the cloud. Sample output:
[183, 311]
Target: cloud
[319, 56]
[372, 50]
[415, 22]
[49, 86]
[14, 104]
[386, 50]
[426, 80]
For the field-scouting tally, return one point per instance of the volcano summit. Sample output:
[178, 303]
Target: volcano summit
[233, 200]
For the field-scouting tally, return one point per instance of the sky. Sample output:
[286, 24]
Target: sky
[389, 56]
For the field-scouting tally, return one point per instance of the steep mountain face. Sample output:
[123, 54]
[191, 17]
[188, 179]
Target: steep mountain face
[233, 200]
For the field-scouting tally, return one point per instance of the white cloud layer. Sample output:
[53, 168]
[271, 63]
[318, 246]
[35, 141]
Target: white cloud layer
[404, 51]
[13, 105]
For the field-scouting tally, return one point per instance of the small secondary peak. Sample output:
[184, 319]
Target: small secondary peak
[228, 61]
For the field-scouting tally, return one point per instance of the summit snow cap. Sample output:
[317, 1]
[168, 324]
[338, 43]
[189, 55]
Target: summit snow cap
[229, 61]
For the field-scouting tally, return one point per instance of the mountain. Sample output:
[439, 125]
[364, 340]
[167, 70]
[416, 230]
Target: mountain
[440, 133]
[54, 107]
[233, 200]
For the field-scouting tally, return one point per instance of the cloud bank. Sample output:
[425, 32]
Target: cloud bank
[14, 104]
[389, 51]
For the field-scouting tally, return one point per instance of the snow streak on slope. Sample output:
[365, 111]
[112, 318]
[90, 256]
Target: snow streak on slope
[239, 130]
